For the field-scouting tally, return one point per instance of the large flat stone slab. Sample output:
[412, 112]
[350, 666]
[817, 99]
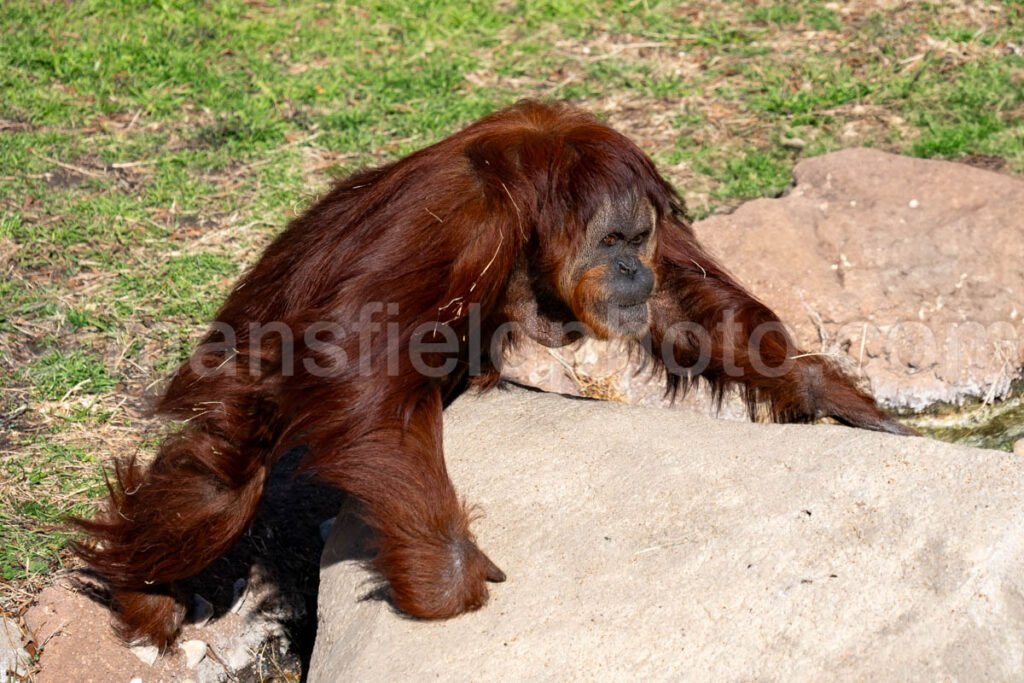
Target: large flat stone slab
[645, 543]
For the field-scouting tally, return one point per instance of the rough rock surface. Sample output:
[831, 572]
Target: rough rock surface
[77, 642]
[14, 658]
[913, 270]
[645, 543]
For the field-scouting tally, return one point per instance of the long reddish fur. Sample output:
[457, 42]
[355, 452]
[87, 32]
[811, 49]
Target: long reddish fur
[446, 224]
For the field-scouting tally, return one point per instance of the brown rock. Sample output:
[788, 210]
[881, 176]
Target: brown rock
[78, 644]
[910, 270]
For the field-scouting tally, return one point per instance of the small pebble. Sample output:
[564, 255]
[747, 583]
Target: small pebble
[914, 203]
[238, 657]
[195, 651]
[1018, 446]
[146, 653]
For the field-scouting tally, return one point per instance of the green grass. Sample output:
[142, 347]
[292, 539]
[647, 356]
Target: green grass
[186, 287]
[148, 150]
[801, 14]
[805, 94]
[56, 483]
[57, 374]
[966, 116]
[752, 174]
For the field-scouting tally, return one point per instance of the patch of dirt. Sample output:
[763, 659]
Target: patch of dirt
[8, 248]
[989, 162]
[62, 179]
[18, 123]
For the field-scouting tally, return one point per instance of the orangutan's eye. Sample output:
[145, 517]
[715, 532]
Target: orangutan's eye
[611, 239]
